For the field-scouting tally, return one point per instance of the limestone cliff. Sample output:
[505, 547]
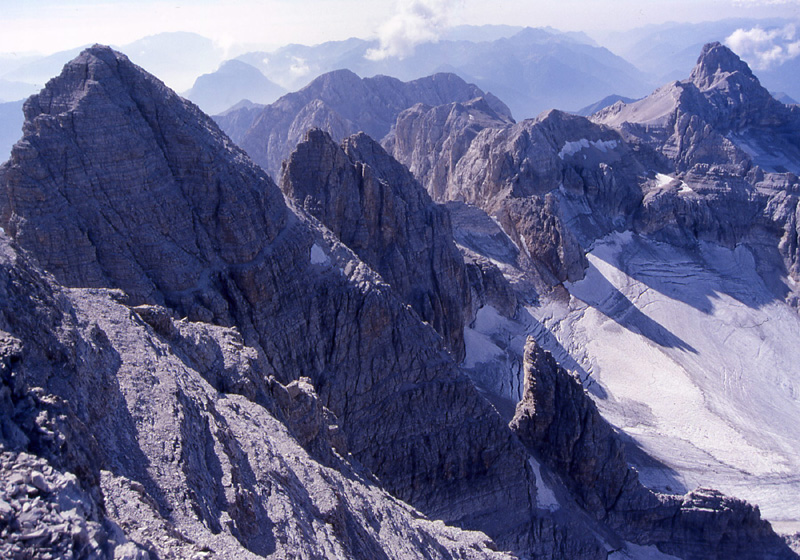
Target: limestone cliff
[377, 208]
[342, 104]
[118, 183]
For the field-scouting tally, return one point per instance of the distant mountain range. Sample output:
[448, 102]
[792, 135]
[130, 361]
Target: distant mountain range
[233, 82]
[532, 70]
[176, 58]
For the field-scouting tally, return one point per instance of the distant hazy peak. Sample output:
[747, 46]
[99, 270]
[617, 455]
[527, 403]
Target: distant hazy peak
[716, 63]
[341, 76]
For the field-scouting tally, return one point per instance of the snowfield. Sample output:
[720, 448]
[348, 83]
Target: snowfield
[695, 360]
[686, 352]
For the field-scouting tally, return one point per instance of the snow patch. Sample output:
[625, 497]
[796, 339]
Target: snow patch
[572, 148]
[638, 552]
[496, 221]
[319, 256]
[525, 245]
[665, 180]
[545, 497]
[479, 348]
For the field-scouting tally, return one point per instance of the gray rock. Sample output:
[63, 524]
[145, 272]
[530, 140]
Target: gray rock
[489, 286]
[6, 511]
[185, 434]
[735, 148]
[161, 206]
[552, 183]
[377, 208]
[37, 480]
[341, 104]
[430, 140]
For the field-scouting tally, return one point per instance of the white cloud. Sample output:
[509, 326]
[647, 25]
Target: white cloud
[299, 67]
[765, 48]
[415, 22]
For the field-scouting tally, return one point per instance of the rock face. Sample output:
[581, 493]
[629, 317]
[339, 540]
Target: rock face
[134, 453]
[559, 422]
[735, 155]
[423, 133]
[552, 183]
[225, 378]
[377, 208]
[719, 115]
[119, 183]
[711, 158]
[342, 104]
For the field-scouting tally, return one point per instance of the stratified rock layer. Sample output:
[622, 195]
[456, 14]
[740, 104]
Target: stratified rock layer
[341, 104]
[377, 208]
[132, 452]
[225, 377]
[119, 183]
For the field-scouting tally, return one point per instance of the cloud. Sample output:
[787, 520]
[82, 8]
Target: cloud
[299, 67]
[415, 22]
[765, 48]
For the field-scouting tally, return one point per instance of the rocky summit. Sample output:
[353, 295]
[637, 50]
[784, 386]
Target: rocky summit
[377, 208]
[342, 104]
[196, 363]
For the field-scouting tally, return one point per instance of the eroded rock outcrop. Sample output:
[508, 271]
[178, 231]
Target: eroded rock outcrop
[377, 208]
[118, 183]
[133, 453]
[735, 155]
[342, 104]
[430, 140]
[552, 183]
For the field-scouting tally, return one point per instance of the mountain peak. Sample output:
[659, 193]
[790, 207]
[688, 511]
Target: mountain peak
[717, 63]
[97, 67]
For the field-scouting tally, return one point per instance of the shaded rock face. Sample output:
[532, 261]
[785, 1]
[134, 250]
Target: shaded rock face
[342, 104]
[132, 452]
[88, 189]
[489, 286]
[118, 183]
[377, 208]
[558, 421]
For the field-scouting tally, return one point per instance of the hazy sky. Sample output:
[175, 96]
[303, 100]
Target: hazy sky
[51, 25]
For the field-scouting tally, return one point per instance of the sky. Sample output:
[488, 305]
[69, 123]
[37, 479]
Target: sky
[47, 26]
